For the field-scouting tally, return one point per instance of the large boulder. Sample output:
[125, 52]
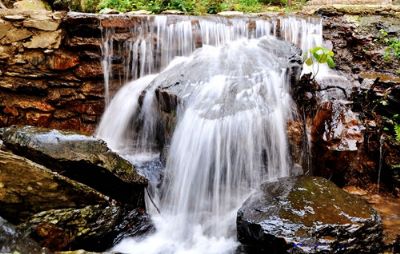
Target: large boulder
[82, 158]
[307, 215]
[93, 228]
[177, 85]
[27, 188]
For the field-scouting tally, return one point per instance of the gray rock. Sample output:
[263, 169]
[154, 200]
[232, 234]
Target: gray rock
[13, 241]
[27, 188]
[308, 215]
[82, 158]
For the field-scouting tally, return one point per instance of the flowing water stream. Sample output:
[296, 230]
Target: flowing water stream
[231, 78]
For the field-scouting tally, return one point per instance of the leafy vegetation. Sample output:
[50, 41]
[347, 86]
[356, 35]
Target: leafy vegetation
[392, 49]
[195, 6]
[397, 132]
[320, 55]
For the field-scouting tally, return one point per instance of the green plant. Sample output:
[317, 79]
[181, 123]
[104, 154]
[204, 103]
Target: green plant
[392, 45]
[320, 55]
[397, 132]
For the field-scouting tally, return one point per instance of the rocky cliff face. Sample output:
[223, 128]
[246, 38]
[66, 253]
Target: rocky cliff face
[50, 75]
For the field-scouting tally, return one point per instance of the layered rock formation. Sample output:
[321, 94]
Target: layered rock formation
[49, 77]
[69, 191]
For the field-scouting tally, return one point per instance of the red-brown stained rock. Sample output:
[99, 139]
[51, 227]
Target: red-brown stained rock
[54, 237]
[119, 22]
[94, 89]
[63, 61]
[39, 119]
[25, 103]
[89, 70]
[11, 110]
[89, 107]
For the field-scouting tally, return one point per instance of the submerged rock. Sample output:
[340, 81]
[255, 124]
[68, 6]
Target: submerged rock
[82, 158]
[308, 215]
[27, 188]
[93, 228]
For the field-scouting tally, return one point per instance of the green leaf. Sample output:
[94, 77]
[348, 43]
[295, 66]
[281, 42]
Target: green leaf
[330, 62]
[309, 61]
[397, 132]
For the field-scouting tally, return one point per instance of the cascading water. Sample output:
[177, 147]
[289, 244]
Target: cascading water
[234, 104]
[157, 40]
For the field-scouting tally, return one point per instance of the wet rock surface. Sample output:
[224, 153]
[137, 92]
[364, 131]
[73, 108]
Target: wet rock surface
[93, 228]
[27, 188]
[14, 241]
[307, 215]
[83, 158]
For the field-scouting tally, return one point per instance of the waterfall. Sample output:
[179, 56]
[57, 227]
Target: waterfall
[231, 81]
[157, 40]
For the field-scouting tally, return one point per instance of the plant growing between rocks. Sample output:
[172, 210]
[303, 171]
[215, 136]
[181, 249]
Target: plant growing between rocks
[320, 55]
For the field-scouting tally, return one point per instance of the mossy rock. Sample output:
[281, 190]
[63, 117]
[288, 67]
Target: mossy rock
[27, 188]
[92, 228]
[308, 215]
[85, 159]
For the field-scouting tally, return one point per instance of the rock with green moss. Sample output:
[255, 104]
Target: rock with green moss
[83, 158]
[92, 228]
[308, 215]
[27, 188]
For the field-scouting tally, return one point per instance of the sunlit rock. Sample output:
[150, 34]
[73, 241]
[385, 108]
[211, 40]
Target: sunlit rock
[27, 188]
[83, 158]
[308, 215]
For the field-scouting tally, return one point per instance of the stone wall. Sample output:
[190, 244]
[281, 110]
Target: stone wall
[50, 75]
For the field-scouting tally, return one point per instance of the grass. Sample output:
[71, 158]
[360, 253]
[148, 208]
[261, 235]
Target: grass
[199, 7]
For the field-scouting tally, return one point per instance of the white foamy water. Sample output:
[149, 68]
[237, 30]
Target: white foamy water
[231, 124]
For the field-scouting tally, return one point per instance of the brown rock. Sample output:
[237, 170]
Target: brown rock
[93, 89]
[36, 118]
[46, 24]
[4, 28]
[63, 114]
[15, 35]
[113, 21]
[63, 60]
[54, 237]
[88, 107]
[22, 85]
[35, 58]
[83, 42]
[60, 95]
[45, 40]
[25, 103]
[28, 188]
[89, 70]
[11, 110]
[6, 52]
